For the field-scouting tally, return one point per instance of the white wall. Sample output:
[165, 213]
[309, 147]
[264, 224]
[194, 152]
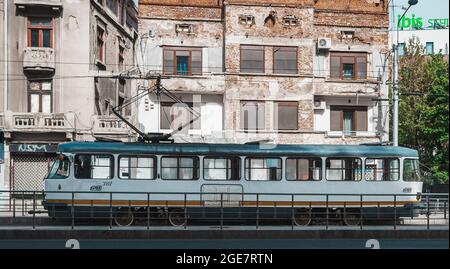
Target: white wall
[439, 37]
[211, 113]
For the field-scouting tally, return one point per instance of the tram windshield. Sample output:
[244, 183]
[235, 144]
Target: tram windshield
[60, 168]
[411, 171]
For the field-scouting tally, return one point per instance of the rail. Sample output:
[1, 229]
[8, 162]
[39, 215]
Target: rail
[151, 210]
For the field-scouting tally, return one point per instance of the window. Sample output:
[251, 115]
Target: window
[180, 168]
[246, 20]
[252, 115]
[429, 48]
[182, 61]
[303, 169]
[382, 169]
[100, 44]
[285, 60]
[344, 169]
[134, 167]
[348, 66]
[174, 115]
[411, 171]
[348, 119]
[113, 6]
[263, 169]
[252, 59]
[40, 32]
[221, 168]
[401, 49]
[290, 20]
[40, 96]
[285, 116]
[89, 166]
[60, 168]
[121, 58]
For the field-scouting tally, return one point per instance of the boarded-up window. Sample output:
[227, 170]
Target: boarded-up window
[285, 60]
[252, 115]
[285, 116]
[348, 66]
[182, 61]
[175, 115]
[348, 119]
[252, 59]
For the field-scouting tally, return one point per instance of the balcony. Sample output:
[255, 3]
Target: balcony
[38, 122]
[53, 7]
[110, 125]
[39, 60]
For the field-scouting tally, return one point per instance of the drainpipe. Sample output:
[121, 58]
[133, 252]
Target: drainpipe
[5, 57]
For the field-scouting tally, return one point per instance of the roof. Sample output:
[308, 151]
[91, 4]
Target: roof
[238, 149]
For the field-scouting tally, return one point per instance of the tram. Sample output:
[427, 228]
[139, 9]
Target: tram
[183, 181]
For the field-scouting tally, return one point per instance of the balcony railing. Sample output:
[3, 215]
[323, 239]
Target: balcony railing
[39, 59]
[38, 122]
[109, 125]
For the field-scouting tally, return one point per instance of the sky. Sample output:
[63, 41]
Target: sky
[426, 8]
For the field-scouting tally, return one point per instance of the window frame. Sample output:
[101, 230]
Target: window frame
[403, 170]
[174, 66]
[100, 44]
[309, 168]
[121, 58]
[111, 168]
[432, 48]
[355, 56]
[353, 109]
[40, 29]
[263, 48]
[242, 120]
[155, 166]
[232, 159]
[195, 122]
[40, 93]
[343, 169]
[382, 179]
[283, 72]
[263, 158]
[290, 103]
[195, 170]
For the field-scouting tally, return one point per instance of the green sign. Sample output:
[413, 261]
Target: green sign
[419, 23]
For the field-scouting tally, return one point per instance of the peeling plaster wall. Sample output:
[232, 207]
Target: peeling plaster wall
[321, 18]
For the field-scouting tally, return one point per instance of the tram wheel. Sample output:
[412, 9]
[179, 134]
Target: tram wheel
[124, 218]
[302, 217]
[352, 218]
[177, 217]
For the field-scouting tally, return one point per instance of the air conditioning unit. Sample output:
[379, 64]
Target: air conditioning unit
[320, 105]
[324, 43]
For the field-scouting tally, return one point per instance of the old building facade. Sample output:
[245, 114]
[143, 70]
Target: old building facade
[61, 71]
[291, 71]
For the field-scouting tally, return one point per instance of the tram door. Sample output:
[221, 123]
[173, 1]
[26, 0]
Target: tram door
[222, 195]
[226, 195]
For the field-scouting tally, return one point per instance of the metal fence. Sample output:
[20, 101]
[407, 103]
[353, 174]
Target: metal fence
[111, 210]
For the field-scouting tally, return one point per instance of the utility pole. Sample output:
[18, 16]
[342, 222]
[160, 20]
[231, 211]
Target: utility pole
[395, 76]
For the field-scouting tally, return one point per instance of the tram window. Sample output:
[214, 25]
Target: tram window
[134, 167]
[411, 171]
[180, 168]
[263, 169]
[221, 168]
[343, 169]
[60, 168]
[88, 166]
[303, 169]
[382, 169]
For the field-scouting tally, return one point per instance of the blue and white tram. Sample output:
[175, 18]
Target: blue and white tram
[181, 180]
